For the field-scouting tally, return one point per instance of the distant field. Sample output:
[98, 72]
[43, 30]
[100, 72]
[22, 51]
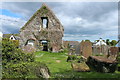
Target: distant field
[59, 68]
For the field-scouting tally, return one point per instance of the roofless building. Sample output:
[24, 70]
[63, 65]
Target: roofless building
[42, 31]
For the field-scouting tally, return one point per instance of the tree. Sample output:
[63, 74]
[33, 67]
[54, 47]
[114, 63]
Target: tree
[108, 42]
[87, 40]
[113, 42]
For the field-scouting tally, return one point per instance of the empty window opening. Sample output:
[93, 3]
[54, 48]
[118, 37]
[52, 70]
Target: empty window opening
[30, 42]
[12, 37]
[44, 22]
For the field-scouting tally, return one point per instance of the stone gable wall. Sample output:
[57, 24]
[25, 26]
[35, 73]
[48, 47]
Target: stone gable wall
[33, 29]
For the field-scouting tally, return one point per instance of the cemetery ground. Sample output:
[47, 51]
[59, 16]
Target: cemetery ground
[60, 68]
[18, 64]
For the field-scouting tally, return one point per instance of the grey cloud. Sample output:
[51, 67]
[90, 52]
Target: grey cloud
[27, 9]
[97, 17]
[9, 29]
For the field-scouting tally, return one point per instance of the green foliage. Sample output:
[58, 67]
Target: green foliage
[98, 54]
[87, 40]
[44, 10]
[44, 7]
[19, 70]
[14, 60]
[24, 70]
[71, 58]
[108, 42]
[81, 59]
[10, 53]
[75, 58]
[63, 51]
[113, 42]
[16, 42]
[44, 32]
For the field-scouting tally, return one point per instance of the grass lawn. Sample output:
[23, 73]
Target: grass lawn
[59, 68]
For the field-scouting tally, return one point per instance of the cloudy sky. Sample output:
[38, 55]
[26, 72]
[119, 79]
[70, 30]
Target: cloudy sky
[81, 20]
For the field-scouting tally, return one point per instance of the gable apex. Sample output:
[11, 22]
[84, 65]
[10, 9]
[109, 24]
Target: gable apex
[44, 11]
[44, 5]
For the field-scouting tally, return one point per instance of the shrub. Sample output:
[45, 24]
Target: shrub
[71, 57]
[11, 53]
[19, 70]
[18, 64]
[24, 69]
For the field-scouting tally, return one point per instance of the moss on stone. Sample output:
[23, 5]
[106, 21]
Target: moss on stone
[44, 32]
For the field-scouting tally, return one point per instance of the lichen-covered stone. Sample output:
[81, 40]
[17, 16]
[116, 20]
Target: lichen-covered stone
[86, 48]
[82, 67]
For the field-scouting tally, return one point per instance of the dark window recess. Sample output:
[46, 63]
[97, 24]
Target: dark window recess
[44, 22]
[11, 37]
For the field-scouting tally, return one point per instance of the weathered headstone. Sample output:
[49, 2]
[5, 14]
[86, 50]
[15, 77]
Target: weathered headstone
[113, 51]
[103, 49]
[101, 64]
[86, 48]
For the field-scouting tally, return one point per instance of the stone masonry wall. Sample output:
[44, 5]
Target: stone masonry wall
[34, 29]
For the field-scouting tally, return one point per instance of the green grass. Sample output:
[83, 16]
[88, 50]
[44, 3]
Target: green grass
[59, 68]
[56, 62]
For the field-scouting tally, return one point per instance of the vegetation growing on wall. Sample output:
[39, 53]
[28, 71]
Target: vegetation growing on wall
[43, 11]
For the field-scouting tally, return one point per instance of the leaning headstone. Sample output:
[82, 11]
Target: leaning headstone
[101, 64]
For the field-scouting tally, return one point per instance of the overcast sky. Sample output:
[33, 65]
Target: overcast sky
[81, 20]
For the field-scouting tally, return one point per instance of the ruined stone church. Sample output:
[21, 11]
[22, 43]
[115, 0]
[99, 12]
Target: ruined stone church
[43, 31]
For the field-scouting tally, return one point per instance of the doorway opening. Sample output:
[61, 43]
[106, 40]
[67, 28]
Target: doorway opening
[45, 45]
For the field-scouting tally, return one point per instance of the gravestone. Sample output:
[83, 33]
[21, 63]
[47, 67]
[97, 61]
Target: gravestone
[103, 49]
[113, 51]
[86, 48]
[102, 64]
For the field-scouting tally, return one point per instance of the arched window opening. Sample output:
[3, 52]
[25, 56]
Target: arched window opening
[30, 42]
